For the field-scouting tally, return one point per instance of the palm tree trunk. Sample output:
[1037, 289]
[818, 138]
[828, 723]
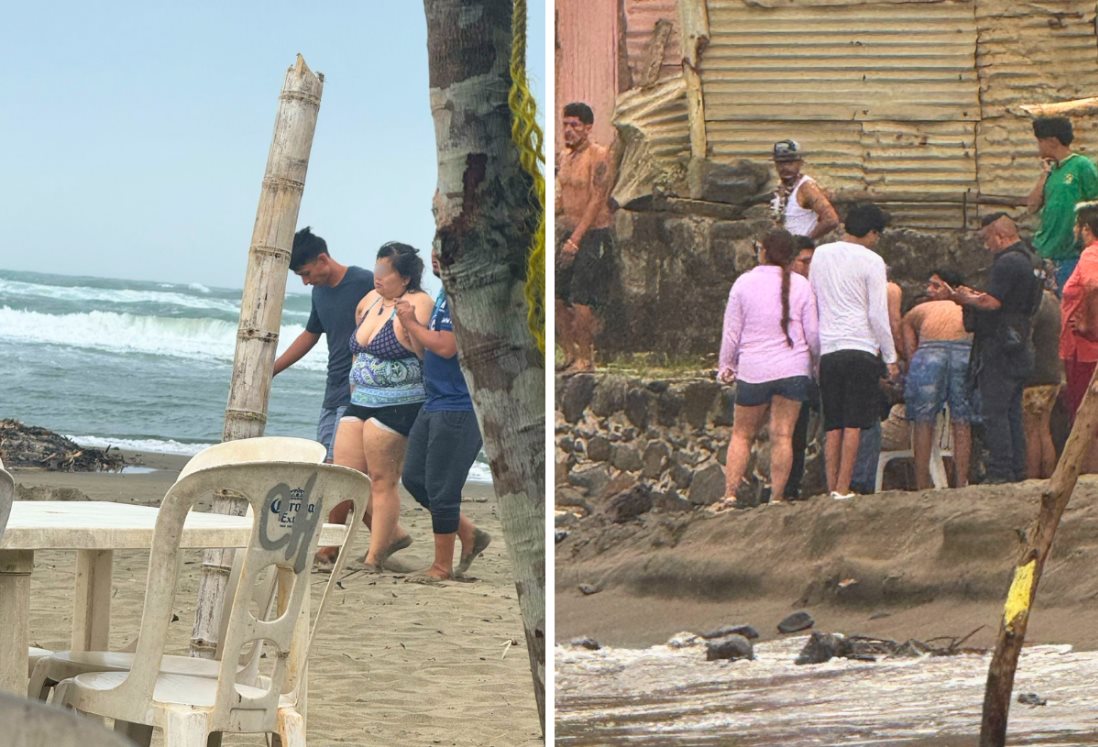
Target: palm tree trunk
[485, 218]
[261, 314]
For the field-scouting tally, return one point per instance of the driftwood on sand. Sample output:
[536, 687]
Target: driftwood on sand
[29, 446]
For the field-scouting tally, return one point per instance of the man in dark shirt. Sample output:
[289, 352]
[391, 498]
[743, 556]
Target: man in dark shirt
[1002, 351]
[337, 289]
[443, 444]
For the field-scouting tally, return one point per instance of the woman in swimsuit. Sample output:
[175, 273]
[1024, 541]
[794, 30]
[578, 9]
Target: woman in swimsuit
[386, 394]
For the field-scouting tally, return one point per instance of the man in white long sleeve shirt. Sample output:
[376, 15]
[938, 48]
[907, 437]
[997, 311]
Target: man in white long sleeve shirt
[848, 279]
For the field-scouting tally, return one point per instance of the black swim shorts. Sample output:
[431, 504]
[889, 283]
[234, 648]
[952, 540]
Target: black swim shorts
[587, 280]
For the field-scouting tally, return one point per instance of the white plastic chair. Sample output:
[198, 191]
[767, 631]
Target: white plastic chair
[290, 501]
[7, 495]
[941, 446]
[61, 665]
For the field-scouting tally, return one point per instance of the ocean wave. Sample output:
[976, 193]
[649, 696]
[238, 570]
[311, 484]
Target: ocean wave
[159, 446]
[161, 299]
[480, 473]
[195, 339]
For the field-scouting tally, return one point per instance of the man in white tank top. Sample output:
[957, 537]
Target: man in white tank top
[799, 205]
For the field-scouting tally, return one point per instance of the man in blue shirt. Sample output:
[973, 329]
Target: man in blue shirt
[443, 443]
[337, 289]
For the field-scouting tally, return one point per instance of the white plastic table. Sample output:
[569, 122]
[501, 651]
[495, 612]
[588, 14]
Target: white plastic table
[95, 529]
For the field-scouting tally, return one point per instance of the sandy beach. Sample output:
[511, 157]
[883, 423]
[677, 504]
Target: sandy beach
[897, 565]
[394, 663]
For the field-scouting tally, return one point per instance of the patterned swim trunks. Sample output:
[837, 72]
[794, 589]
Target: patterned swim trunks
[1037, 401]
[938, 376]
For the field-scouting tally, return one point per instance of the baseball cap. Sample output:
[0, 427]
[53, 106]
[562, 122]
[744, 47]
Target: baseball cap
[788, 150]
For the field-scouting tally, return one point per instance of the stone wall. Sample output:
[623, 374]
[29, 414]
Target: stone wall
[679, 258]
[626, 445]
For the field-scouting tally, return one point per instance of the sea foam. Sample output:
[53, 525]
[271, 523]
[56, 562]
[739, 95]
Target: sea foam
[177, 337]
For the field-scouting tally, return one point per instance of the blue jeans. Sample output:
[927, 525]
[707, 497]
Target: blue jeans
[326, 427]
[864, 479]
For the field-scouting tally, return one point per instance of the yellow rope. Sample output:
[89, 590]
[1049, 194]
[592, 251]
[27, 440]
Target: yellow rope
[529, 140]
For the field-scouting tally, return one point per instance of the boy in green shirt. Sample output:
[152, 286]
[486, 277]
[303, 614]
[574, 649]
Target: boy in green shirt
[1066, 179]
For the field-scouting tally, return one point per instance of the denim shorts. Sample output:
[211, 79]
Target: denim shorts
[937, 376]
[796, 388]
[326, 427]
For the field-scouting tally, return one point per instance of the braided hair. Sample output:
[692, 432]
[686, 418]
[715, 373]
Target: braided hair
[780, 250]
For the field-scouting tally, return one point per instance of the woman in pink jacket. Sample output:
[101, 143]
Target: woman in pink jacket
[769, 348]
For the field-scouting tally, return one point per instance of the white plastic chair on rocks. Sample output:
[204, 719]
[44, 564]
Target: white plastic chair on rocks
[941, 446]
[47, 668]
[289, 501]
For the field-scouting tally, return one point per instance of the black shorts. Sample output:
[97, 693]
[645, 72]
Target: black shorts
[587, 280]
[396, 418]
[850, 389]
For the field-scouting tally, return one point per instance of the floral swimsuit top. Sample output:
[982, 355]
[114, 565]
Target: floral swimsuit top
[384, 372]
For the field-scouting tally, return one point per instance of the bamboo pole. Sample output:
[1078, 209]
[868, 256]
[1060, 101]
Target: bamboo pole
[1027, 574]
[261, 313]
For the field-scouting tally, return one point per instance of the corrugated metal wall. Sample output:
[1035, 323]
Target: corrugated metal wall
[1030, 53]
[640, 21]
[587, 60]
[884, 96]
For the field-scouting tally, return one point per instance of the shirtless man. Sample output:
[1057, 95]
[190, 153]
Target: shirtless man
[799, 205]
[585, 258]
[938, 348]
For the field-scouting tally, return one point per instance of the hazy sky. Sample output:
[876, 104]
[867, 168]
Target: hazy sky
[136, 132]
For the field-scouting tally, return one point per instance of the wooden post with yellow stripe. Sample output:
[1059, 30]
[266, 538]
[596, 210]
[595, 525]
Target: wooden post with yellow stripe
[1027, 573]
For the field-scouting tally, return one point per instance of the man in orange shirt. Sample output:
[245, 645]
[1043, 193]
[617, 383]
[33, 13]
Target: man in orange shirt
[585, 258]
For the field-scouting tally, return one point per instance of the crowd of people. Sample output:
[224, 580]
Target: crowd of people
[820, 328]
[396, 405]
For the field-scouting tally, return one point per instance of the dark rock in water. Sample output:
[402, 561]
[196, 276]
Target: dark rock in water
[707, 485]
[585, 642]
[577, 395]
[630, 504]
[745, 630]
[589, 589]
[598, 449]
[729, 647]
[799, 620]
[1031, 699]
[823, 646]
[561, 536]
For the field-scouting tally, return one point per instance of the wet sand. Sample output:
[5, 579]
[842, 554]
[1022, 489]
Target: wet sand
[897, 565]
[394, 663]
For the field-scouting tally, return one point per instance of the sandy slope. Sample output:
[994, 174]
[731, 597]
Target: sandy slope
[395, 663]
[914, 565]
